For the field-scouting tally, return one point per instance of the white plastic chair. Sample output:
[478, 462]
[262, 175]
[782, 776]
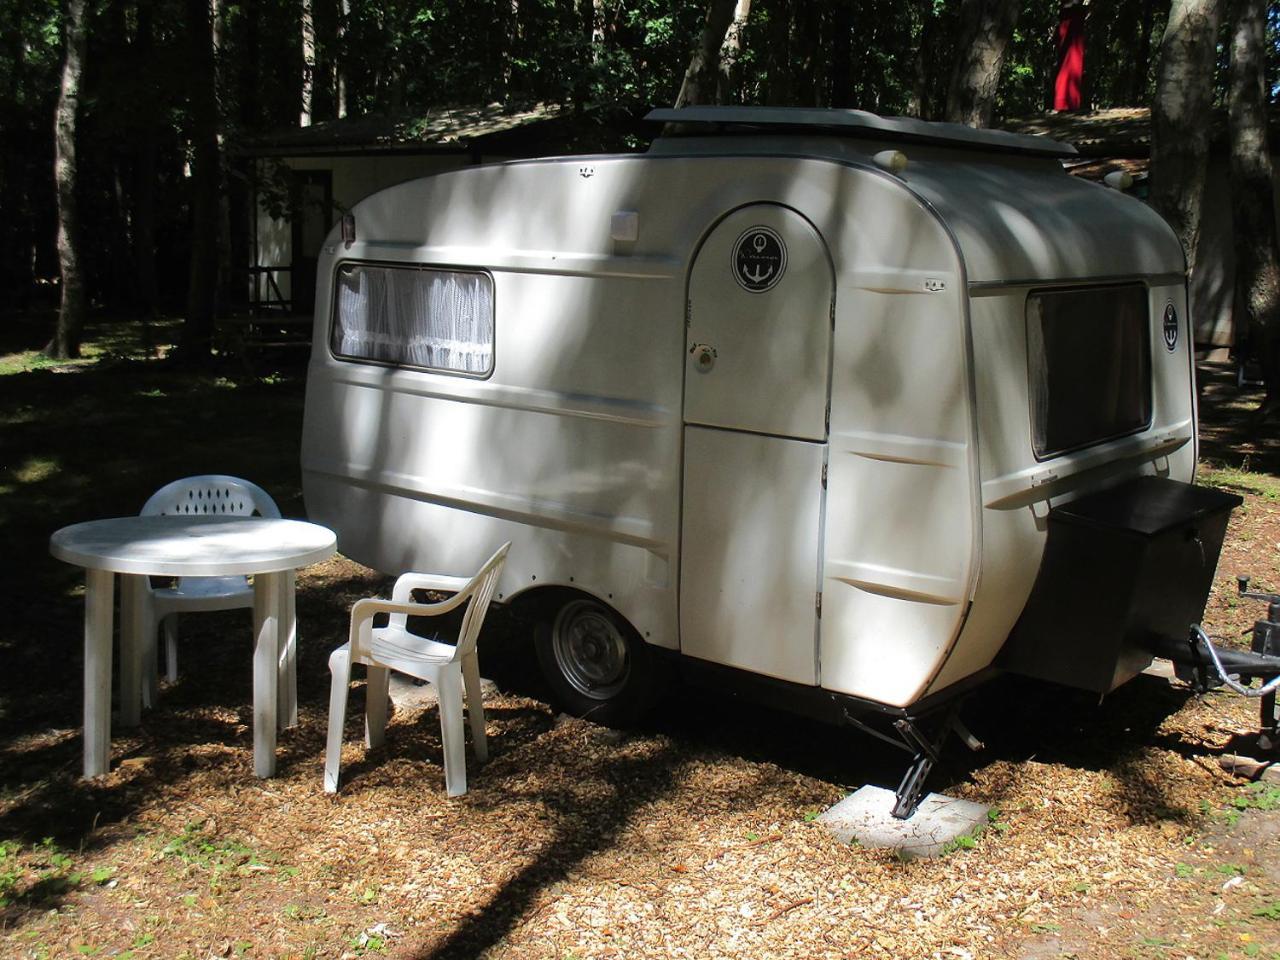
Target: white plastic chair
[393, 647]
[209, 495]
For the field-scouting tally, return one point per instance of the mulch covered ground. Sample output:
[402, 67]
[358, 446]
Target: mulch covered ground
[1114, 831]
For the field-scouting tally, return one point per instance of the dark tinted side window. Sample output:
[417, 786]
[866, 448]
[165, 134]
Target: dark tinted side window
[1089, 357]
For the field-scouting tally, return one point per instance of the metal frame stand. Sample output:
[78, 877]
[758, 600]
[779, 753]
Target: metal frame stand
[924, 741]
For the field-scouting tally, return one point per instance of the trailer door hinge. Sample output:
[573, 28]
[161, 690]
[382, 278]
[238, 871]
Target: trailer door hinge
[824, 476]
[688, 312]
[818, 603]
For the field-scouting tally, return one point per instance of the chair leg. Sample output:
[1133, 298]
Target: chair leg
[340, 668]
[171, 647]
[376, 696]
[475, 706]
[449, 688]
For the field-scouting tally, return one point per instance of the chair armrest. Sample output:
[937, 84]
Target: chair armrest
[406, 583]
[363, 611]
[366, 609]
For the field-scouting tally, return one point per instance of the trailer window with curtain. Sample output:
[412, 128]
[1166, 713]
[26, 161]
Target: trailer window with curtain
[1089, 361]
[414, 317]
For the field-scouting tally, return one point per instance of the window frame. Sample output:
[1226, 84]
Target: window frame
[421, 268]
[1146, 347]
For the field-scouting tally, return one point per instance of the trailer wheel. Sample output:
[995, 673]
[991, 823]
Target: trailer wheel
[597, 665]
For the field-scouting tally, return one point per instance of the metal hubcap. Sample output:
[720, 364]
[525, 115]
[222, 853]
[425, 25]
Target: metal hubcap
[589, 650]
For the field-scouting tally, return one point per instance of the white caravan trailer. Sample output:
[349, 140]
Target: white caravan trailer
[808, 397]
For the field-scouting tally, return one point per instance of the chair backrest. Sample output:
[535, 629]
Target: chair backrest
[211, 494]
[481, 588]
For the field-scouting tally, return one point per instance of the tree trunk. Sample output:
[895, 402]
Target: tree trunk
[808, 87]
[985, 29]
[202, 281]
[778, 51]
[1180, 117]
[71, 315]
[842, 55]
[17, 255]
[731, 52]
[918, 104]
[1142, 55]
[699, 86]
[1257, 286]
[308, 64]
[342, 59]
[144, 174]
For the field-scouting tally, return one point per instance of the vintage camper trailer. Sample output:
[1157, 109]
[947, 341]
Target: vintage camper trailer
[809, 398]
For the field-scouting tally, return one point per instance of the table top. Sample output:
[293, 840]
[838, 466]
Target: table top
[193, 546]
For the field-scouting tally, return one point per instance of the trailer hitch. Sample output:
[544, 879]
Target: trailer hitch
[1266, 641]
[1198, 662]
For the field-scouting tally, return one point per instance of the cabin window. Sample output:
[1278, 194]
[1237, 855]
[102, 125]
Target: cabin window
[1089, 356]
[414, 317]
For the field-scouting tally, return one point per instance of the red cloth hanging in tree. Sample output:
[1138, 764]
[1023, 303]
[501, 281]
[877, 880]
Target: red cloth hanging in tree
[1069, 81]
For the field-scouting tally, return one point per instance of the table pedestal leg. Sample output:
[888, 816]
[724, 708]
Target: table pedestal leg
[266, 670]
[99, 591]
[134, 599]
[287, 704]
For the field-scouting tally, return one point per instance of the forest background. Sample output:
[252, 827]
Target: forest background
[123, 192]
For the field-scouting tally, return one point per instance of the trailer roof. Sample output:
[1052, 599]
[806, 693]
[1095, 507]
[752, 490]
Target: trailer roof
[859, 124]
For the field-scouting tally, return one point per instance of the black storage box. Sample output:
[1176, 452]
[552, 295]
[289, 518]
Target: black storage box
[1120, 566]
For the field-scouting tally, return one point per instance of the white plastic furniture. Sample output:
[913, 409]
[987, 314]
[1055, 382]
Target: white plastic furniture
[393, 647]
[209, 495]
[184, 546]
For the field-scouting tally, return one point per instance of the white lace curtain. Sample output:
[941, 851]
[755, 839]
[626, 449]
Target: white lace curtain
[422, 318]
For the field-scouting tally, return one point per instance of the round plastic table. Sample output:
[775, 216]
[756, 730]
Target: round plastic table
[269, 550]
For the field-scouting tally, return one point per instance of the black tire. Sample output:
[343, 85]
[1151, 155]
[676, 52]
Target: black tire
[596, 664]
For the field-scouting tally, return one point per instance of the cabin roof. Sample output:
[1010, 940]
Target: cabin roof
[458, 129]
[1121, 131]
[857, 124]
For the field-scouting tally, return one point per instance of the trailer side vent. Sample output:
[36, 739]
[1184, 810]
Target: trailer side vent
[407, 316]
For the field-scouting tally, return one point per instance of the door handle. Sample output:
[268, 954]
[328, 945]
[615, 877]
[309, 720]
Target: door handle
[704, 356]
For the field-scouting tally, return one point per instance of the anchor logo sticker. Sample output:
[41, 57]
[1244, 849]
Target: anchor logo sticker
[759, 259]
[1170, 327]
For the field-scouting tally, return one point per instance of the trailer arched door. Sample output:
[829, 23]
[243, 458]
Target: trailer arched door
[757, 382]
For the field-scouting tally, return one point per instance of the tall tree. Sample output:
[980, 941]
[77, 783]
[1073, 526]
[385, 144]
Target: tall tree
[731, 51]
[923, 62]
[985, 29]
[308, 64]
[1180, 118]
[700, 79]
[66, 335]
[144, 169]
[1257, 287]
[206, 175]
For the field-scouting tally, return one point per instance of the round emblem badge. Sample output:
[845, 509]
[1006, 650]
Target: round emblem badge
[1170, 327]
[759, 259]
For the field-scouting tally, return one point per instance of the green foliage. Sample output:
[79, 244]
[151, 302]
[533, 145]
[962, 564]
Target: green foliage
[407, 57]
[1258, 796]
[1270, 912]
[223, 858]
[966, 841]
